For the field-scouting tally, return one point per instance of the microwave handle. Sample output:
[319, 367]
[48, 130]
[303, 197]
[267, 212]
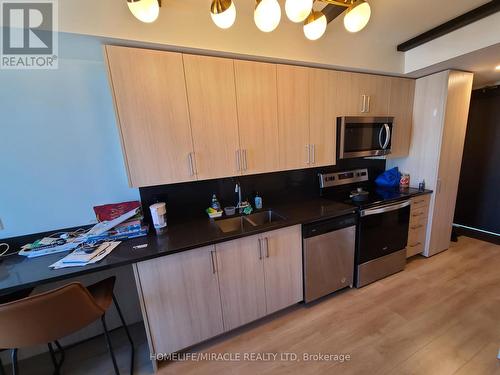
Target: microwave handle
[380, 137]
[387, 136]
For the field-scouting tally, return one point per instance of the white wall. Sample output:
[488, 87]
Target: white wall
[59, 148]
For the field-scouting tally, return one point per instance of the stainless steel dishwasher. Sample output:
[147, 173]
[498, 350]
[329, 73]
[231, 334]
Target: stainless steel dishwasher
[328, 256]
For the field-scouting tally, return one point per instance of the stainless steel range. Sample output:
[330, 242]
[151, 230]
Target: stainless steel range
[383, 220]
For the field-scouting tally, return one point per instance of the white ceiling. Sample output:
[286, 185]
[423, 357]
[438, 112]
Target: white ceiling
[482, 63]
[186, 25]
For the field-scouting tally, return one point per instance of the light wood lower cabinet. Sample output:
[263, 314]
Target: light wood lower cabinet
[282, 267]
[241, 280]
[180, 299]
[194, 295]
[417, 229]
[259, 275]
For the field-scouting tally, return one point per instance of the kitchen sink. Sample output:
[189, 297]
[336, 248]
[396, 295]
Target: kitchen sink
[233, 224]
[262, 218]
[242, 223]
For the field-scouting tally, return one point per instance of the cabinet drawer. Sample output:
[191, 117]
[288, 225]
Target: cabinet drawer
[417, 222]
[415, 249]
[420, 201]
[418, 213]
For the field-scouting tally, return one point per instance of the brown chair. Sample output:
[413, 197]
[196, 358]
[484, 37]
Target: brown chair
[46, 317]
[9, 297]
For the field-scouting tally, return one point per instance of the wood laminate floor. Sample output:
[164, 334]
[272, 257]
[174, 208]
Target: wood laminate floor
[440, 316]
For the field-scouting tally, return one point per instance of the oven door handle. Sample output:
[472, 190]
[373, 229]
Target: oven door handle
[387, 208]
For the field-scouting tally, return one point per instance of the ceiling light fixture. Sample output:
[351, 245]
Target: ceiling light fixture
[223, 13]
[144, 10]
[315, 25]
[267, 15]
[357, 16]
[298, 10]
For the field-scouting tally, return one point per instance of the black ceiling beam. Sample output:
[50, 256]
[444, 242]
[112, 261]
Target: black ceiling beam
[452, 25]
[332, 11]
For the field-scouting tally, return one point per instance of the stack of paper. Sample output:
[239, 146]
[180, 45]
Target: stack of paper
[80, 257]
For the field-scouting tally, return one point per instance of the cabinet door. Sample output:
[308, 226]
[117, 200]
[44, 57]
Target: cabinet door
[370, 93]
[283, 267]
[214, 121]
[452, 145]
[180, 296]
[241, 281]
[151, 104]
[323, 116]
[401, 107]
[293, 116]
[257, 116]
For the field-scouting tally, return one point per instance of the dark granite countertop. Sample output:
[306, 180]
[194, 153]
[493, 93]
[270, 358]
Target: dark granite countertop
[17, 272]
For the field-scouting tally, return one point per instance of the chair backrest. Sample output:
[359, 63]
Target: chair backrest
[48, 316]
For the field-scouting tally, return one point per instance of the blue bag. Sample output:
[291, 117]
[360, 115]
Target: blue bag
[390, 178]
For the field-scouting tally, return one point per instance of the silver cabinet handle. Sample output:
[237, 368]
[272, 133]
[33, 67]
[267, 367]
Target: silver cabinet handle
[313, 153]
[367, 109]
[363, 103]
[260, 248]
[212, 258]
[245, 165]
[238, 160]
[267, 246]
[308, 154]
[192, 167]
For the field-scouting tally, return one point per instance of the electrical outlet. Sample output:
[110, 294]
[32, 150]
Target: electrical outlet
[1, 224]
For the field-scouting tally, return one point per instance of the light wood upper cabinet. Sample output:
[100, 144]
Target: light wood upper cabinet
[151, 105]
[369, 94]
[323, 114]
[293, 116]
[214, 120]
[241, 280]
[180, 299]
[401, 107]
[257, 116]
[283, 267]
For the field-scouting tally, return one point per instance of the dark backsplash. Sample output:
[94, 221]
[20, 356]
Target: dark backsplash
[189, 200]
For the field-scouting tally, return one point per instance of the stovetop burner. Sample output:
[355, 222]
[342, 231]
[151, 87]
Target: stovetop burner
[354, 187]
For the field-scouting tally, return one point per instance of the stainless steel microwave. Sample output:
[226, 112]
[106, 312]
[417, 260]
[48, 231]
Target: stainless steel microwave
[359, 136]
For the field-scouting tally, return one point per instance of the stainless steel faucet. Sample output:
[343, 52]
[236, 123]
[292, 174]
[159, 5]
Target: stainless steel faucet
[237, 189]
[240, 205]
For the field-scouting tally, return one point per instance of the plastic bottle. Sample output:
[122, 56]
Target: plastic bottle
[215, 203]
[258, 202]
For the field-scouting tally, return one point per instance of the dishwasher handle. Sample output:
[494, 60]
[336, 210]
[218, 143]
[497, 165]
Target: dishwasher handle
[383, 209]
[329, 225]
